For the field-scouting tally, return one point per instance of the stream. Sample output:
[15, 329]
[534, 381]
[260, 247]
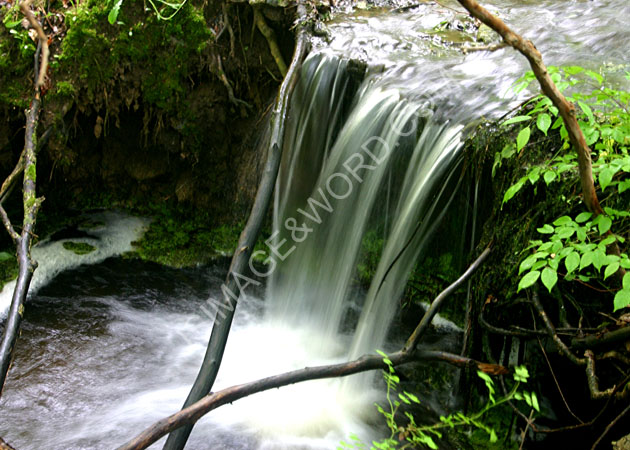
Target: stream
[109, 345]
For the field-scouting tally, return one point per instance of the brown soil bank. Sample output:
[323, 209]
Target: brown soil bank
[144, 110]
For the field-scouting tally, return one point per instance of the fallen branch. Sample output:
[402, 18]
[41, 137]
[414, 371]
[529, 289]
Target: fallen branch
[5, 446]
[197, 410]
[221, 328]
[31, 204]
[602, 339]
[192, 413]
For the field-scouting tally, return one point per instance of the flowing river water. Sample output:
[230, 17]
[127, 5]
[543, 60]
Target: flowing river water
[110, 346]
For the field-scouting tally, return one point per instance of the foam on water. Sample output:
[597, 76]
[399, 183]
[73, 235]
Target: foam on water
[112, 235]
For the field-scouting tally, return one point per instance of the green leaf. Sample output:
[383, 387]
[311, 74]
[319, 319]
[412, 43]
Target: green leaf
[522, 138]
[516, 119]
[535, 404]
[564, 220]
[587, 111]
[528, 280]
[565, 232]
[597, 77]
[549, 176]
[10, 24]
[572, 261]
[543, 122]
[545, 229]
[611, 269]
[626, 281]
[586, 260]
[511, 192]
[549, 278]
[605, 177]
[527, 263]
[113, 13]
[412, 397]
[622, 299]
[604, 224]
[583, 217]
[4, 256]
[599, 259]
[581, 234]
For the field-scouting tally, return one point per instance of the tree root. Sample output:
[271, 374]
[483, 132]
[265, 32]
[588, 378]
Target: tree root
[226, 20]
[220, 73]
[270, 35]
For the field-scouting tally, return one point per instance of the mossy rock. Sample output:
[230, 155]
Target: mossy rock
[80, 248]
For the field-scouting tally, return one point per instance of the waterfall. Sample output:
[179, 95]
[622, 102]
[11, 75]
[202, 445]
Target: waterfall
[377, 157]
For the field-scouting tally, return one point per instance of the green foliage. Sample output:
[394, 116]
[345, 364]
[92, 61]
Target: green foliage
[371, 249]
[412, 435]
[95, 55]
[8, 268]
[581, 244]
[604, 118]
[16, 58]
[181, 237]
[163, 10]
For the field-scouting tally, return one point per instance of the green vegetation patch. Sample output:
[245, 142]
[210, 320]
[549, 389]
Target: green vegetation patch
[184, 237]
[80, 248]
[8, 268]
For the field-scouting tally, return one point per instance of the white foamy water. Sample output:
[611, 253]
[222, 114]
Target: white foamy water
[113, 234]
[111, 348]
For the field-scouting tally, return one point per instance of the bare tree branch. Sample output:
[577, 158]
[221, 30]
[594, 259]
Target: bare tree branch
[31, 204]
[423, 326]
[197, 410]
[221, 329]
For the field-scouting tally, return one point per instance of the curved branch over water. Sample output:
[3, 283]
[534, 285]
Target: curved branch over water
[565, 109]
[196, 411]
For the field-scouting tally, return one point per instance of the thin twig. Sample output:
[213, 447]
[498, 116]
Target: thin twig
[555, 380]
[422, 327]
[610, 425]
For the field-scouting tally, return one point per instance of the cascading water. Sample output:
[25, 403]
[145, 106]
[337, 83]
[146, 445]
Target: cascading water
[108, 349]
[326, 200]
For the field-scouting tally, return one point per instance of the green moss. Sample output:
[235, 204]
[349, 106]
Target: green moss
[95, 56]
[66, 88]
[181, 237]
[8, 268]
[80, 248]
[371, 249]
[31, 172]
